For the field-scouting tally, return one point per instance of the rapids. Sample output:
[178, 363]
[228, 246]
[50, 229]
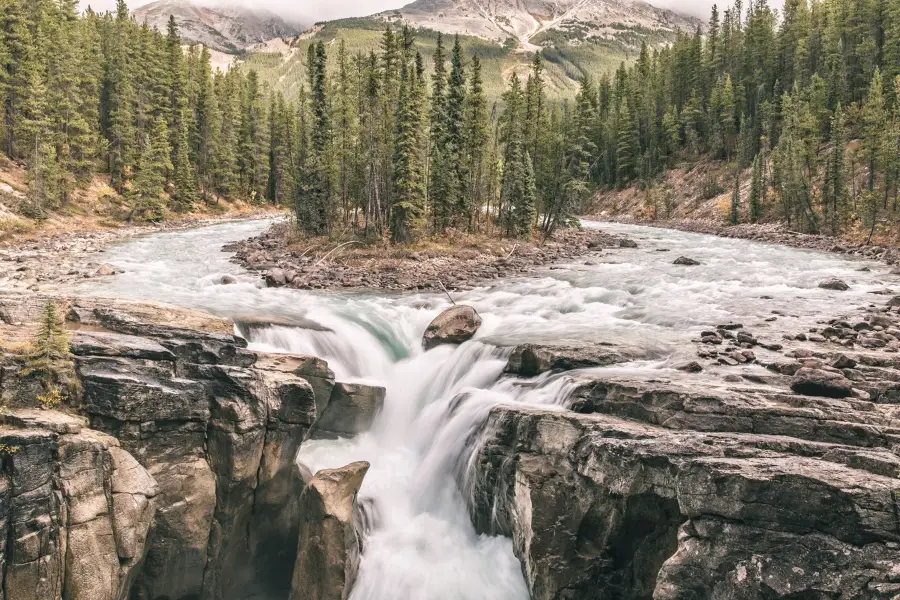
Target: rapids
[422, 543]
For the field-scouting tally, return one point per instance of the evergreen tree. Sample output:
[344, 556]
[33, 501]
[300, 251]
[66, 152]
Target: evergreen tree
[50, 359]
[313, 205]
[408, 208]
[150, 182]
[736, 199]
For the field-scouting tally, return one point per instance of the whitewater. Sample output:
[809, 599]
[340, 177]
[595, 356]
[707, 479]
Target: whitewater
[421, 542]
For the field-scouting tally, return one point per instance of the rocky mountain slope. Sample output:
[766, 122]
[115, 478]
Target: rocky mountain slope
[526, 20]
[226, 28]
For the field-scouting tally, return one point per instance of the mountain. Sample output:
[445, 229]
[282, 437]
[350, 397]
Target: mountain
[575, 38]
[226, 28]
[535, 21]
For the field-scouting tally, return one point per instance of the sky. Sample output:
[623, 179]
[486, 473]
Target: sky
[310, 11]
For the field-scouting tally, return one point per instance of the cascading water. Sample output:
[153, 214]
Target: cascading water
[422, 543]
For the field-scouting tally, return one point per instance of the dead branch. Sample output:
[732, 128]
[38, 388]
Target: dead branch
[449, 297]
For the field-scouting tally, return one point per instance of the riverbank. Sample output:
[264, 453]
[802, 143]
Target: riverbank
[41, 260]
[283, 260]
[771, 233]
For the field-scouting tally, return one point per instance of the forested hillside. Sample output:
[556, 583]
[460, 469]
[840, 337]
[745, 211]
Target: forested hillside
[100, 94]
[403, 140]
[809, 100]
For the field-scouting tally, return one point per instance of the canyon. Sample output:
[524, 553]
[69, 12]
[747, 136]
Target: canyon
[620, 425]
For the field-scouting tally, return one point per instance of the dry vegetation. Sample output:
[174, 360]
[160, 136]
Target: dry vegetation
[94, 207]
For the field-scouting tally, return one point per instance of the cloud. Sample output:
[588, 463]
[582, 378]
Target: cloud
[310, 11]
[304, 11]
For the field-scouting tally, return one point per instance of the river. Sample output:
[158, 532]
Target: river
[423, 544]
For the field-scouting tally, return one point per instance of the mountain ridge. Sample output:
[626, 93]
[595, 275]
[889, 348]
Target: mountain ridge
[526, 20]
[229, 28]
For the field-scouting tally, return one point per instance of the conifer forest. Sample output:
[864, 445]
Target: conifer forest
[804, 101]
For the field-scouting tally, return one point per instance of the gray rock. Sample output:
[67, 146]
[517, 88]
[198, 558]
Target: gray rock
[94, 343]
[228, 280]
[834, 284]
[351, 410]
[530, 360]
[627, 243]
[685, 261]
[690, 367]
[328, 550]
[819, 382]
[453, 326]
[275, 278]
[842, 361]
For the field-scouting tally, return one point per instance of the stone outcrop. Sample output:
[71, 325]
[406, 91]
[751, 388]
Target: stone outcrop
[329, 543]
[351, 410]
[674, 491]
[529, 360]
[213, 426]
[75, 510]
[453, 326]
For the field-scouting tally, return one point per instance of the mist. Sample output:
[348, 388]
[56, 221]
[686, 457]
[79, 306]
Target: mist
[310, 11]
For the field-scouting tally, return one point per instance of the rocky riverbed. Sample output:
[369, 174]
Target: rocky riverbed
[174, 474]
[723, 426]
[42, 263]
[774, 233]
[283, 265]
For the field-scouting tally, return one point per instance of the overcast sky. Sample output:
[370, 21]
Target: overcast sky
[309, 11]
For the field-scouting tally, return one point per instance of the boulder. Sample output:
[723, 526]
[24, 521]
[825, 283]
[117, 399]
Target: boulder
[228, 280]
[627, 243]
[106, 271]
[819, 382]
[842, 361]
[453, 326]
[328, 549]
[530, 360]
[685, 261]
[894, 302]
[690, 367]
[275, 278]
[350, 411]
[834, 284]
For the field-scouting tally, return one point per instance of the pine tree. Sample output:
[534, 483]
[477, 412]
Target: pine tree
[150, 182]
[512, 184]
[407, 211]
[735, 213]
[834, 193]
[313, 203]
[477, 134]
[757, 190]
[461, 210]
[50, 359]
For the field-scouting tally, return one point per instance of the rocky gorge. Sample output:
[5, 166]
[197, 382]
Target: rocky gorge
[743, 447]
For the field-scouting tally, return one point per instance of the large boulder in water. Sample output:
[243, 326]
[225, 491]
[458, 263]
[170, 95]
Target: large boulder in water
[351, 410]
[834, 284]
[328, 549]
[453, 326]
[530, 360]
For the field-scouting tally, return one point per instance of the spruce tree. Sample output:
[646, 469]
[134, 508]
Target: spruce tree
[735, 212]
[150, 182]
[50, 359]
[313, 202]
[407, 212]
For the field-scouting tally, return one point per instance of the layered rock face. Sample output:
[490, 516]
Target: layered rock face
[218, 427]
[669, 490]
[75, 509]
[192, 437]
